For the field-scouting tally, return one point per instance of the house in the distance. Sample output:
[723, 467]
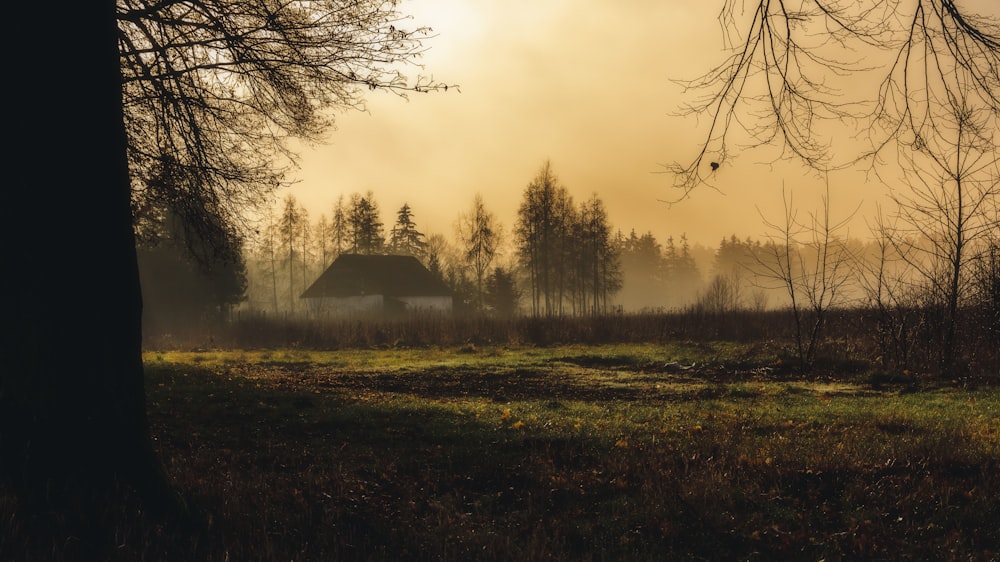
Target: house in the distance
[368, 284]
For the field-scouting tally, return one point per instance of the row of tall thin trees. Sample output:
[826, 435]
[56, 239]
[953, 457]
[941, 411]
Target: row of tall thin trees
[926, 109]
[567, 252]
[929, 275]
[290, 251]
[565, 257]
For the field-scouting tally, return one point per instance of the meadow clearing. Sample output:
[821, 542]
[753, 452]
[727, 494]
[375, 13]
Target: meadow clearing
[680, 451]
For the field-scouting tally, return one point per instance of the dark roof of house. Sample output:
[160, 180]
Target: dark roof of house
[393, 276]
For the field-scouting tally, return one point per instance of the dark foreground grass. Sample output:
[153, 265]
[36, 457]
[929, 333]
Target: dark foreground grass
[568, 453]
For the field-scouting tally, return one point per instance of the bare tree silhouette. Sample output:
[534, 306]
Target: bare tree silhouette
[883, 72]
[910, 83]
[119, 108]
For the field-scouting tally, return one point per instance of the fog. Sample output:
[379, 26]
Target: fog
[589, 87]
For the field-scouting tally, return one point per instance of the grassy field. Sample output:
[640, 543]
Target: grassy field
[630, 452]
[613, 452]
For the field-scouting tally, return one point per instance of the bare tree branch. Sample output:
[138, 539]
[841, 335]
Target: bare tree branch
[784, 83]
[214, 90]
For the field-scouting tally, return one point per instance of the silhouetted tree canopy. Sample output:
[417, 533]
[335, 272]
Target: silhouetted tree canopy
[124, 114]
[502, 294]
[404, 238]
[479, 236]
[366, 232]
[542, 237]
[803, 76]
[214, 90]
[181, 294]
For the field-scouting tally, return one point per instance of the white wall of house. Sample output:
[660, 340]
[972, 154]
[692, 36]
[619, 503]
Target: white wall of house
[427, 304]
[374, 304]
[343, 306]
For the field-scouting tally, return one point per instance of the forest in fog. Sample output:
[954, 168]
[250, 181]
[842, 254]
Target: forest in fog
[253, 374]
[557, 257]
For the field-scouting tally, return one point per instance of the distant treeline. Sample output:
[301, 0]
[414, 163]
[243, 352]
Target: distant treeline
[563, 260]
[853, 338]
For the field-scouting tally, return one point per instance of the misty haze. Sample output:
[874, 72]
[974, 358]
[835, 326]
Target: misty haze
[450, 280]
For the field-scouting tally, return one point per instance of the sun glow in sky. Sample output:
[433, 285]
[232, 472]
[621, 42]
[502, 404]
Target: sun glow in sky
[587, 84]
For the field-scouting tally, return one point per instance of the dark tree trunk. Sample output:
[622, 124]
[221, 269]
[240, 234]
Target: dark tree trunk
[73, 428]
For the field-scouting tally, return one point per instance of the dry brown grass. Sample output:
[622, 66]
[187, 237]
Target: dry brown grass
[563, 453]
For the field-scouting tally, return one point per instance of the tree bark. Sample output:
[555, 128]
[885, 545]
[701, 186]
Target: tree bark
[73, 427]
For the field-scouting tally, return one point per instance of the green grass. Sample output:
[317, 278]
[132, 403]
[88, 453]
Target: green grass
[567, 453]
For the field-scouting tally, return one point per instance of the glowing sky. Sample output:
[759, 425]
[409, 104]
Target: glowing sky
[584, 83]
